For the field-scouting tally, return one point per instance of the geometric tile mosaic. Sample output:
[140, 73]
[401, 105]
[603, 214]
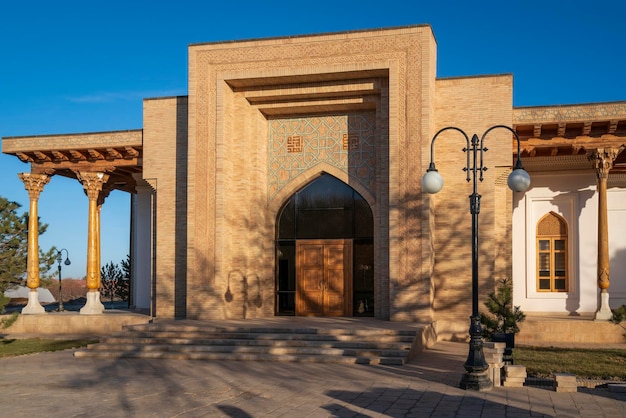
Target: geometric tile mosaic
[345, 141]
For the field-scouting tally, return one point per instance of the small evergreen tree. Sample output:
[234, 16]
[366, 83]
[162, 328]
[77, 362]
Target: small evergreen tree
[503, 317]
[618, 316]
[110, 275]
[123, 291]
[14, 248]
[115, 281]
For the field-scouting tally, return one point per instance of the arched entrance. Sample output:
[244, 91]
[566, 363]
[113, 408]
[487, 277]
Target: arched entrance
[325, 252]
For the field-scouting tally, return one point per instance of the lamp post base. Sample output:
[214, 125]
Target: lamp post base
[478, 381]
[475, 377]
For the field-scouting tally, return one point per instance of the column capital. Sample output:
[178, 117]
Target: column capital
[34, 183]
[92, 182]
[602, 160]
[104, 193]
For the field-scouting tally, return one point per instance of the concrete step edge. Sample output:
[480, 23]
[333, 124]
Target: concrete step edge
[372, 345]
[269, 330]
[249, 349]
[222, 356]
[265, 336]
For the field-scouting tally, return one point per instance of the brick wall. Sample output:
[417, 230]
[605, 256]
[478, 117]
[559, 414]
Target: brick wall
[422, 261]
[165, 169]
[234, 89]
[472, 104]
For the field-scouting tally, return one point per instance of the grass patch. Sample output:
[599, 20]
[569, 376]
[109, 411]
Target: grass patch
[16, 347]
[609, 364]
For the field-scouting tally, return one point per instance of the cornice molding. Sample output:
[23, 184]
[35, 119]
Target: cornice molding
[569, 113]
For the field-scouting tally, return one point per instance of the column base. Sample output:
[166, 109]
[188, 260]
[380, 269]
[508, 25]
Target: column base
[33, 306]
[604, 313]
[93, 305]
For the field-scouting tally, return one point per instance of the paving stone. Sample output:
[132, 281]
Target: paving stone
[427, 386]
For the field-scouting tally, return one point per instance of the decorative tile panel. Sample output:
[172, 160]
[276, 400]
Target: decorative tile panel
[294, 143]
[346, 142]
[350, 141]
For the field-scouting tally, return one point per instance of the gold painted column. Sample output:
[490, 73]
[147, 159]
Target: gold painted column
[34, 184]
[602, 160]
[92, 183]
[104, 193]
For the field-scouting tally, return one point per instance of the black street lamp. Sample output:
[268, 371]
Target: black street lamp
[67, 263]
[475, 377]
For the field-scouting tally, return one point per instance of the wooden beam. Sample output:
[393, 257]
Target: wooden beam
[113, 153]
[95, 154]
[24, 157]
[42, 156]
[77, 155]
[59, 156]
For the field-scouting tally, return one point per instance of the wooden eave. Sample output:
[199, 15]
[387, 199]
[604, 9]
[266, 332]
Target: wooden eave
[117, 153]
[571, 131]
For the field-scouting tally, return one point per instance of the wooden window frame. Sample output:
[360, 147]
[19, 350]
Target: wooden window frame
[553, 236]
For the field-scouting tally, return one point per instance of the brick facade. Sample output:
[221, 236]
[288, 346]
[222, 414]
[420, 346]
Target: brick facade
[258, 112]
[265, 117]
[165, 169]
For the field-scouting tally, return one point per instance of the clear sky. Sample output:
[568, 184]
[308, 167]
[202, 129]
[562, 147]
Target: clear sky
[85, 66]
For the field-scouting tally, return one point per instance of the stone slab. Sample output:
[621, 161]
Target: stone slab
[617, 387]
[514, 371]
[564, 379]
[566, 389]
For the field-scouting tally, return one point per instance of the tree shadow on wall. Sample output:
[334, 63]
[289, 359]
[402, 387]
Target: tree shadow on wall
[451, 281]
[242, 285]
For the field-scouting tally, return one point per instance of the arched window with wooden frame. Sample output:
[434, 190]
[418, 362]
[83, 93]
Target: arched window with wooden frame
[552, 254]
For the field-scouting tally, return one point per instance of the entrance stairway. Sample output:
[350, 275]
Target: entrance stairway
[327, 344]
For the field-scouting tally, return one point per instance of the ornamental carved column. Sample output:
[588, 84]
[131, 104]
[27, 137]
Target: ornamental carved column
[93, 183]
[34, 184]
[602, 160]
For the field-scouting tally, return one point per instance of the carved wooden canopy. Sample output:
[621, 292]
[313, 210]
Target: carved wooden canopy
[566, 134]
[118, 154]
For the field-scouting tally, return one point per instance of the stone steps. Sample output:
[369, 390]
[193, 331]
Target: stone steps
[323, 345]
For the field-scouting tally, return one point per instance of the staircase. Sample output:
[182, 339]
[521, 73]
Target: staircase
[259, 343]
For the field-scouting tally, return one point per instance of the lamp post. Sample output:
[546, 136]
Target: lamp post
[67, 262]
[475, 377]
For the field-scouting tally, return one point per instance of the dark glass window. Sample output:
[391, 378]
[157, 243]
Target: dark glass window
[326, 208]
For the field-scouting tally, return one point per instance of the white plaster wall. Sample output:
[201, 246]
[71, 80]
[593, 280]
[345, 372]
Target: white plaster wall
[617, 246]
[573, 196]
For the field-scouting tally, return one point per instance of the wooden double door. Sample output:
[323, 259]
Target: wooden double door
[324, 277]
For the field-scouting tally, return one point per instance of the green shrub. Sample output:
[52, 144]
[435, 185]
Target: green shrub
[619, 315]
[503, 317]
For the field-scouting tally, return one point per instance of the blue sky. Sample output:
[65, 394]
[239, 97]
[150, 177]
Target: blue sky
[85, 66]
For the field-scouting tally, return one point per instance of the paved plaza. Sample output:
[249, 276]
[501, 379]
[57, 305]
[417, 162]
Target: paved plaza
[59, 385]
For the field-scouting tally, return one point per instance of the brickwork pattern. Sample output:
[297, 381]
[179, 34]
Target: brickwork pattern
[165, 168]
[231, 225]
[461, 103]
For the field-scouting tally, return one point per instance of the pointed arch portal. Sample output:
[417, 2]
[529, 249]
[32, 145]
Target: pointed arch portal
[325, 252]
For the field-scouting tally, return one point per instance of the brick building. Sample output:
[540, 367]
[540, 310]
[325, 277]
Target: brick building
[287, 182]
